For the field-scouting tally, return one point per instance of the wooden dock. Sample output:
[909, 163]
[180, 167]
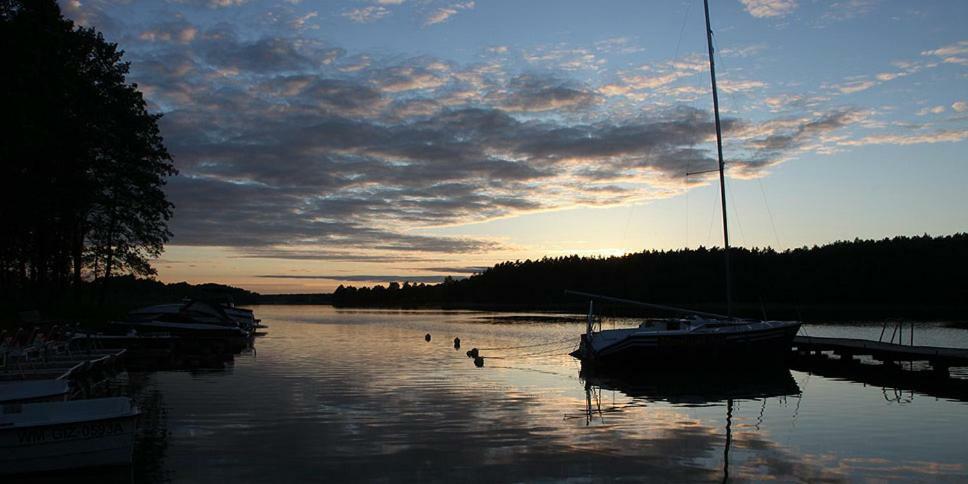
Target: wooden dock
[941, 359]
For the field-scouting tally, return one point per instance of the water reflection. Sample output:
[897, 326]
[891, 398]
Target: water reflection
[361, 396]
[688, 388]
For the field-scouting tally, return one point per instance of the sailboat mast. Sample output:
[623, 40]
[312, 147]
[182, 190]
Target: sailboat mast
[722, 165]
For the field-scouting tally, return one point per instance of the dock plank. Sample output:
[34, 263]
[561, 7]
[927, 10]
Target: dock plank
[881, 350]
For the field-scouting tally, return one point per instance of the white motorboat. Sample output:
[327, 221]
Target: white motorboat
[33, 391]
[194, 320]
[39, 437]
[245, 317]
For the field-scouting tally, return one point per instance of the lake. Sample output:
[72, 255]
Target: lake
[358, 395]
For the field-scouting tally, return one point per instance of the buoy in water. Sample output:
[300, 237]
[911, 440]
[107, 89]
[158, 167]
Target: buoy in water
[427, 337]
[456, 343]
[472, 353]
[479, 361]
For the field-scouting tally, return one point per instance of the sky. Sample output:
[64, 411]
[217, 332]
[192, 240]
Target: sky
[365, 141]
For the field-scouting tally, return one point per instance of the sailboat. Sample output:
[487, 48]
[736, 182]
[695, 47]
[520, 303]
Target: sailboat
[700, 338]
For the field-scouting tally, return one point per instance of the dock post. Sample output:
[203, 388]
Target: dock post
[940, 369]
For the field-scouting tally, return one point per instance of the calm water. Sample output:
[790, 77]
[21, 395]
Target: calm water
[360, 396]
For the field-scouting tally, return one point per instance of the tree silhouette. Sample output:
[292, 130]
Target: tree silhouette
[83, 161]
[916, 276]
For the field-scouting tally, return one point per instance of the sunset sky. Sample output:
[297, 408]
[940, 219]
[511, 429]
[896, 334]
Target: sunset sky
[365, 141]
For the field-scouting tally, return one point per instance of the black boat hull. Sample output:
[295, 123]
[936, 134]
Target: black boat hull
[693, 350]
[226, 340]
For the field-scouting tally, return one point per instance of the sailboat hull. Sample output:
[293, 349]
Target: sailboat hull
[654, 349]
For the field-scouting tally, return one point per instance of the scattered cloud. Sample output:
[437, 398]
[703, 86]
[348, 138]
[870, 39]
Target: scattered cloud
[366, 14]
[769, 8]
[178, 32]
[849, 9]
[213, 3]
[534, 93]
[443, 14]
[290, 148]
[300, 23]
[744, 51]
[564, 58]
[931, 110]
[944, 136]
[652, 77]
[457, 270]
[731, 86]
[855, 86]
[956, 53]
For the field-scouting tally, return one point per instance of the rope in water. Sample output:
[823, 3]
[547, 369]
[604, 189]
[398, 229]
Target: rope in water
[548, 352]
[569, 339]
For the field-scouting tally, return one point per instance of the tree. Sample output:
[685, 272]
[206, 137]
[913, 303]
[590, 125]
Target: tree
[83, 162]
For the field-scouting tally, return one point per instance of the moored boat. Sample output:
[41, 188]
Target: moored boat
[703, 338]
[51, 436]
[33, 390]
[196, 321]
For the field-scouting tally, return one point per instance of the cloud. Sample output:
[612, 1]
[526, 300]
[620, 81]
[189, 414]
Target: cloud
[443, 14]
[366, 14]
[457, 270]
[564, 58]
[289, 253]
[955, 49]
[362, 278]
[177, 30]
[956, 53]
[300, 22]
[856, 86]
[212, 3]
[535, 93]
[849, 9]
[222, 48]
[931, 110]
[769, 8]
[945, 136]
[959, 106]
[413, 74]
[731, 86]
[656, 76]
[288, 149]
[90, 14]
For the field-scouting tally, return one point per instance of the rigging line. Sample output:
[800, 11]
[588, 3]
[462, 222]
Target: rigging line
[712, 218]
[628, 221]
[682, 29]
[687, 208]
[739, 224]
[769, 212]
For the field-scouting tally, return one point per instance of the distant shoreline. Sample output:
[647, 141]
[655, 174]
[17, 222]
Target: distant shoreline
[807, 313]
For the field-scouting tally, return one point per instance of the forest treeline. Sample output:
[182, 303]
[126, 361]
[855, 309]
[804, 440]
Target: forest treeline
[126, 293]
[902, 276]
[82, 163]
